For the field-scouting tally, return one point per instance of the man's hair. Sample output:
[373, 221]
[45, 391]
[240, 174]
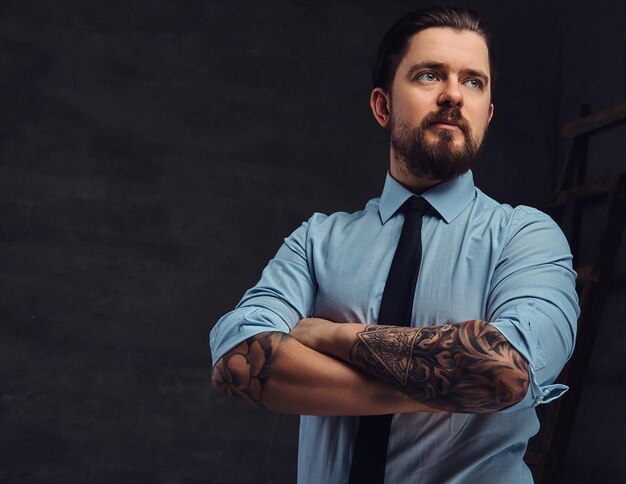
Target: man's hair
[395, 43]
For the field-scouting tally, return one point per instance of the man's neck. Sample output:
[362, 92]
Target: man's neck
[415, 184]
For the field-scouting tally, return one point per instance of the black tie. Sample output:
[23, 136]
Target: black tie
[370, 447]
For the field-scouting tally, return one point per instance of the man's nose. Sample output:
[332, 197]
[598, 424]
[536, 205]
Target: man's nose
[451, 94]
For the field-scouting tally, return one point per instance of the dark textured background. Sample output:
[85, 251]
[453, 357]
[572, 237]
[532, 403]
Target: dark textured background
[153, 156]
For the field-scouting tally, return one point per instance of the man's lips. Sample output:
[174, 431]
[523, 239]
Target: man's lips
[447, 123]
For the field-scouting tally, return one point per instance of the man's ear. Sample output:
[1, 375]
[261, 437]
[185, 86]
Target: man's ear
[490, 113]
[380, 102]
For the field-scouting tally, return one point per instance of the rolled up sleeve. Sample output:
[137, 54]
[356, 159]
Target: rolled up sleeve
[533, 301]
[284, 295]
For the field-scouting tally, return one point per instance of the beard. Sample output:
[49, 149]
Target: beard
[435, 160]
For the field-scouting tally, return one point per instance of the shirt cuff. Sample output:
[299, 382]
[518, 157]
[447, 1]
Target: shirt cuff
[241, 324]
[537, 394]
[523, 335]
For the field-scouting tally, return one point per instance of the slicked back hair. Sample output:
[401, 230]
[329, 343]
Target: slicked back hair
[395, 43]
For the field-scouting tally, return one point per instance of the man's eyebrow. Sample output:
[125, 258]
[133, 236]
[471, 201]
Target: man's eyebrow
[441, 65]
[426, 65]
[477, 73]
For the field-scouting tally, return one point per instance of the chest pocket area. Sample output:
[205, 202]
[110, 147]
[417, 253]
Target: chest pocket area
[350, 288]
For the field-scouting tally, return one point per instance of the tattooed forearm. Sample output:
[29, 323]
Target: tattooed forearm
[243, 371]
[468, 367]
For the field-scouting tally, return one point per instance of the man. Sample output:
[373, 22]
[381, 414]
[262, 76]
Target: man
[492, 304]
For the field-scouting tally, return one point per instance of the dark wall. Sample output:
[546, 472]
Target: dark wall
[153, 156]
[594, 44]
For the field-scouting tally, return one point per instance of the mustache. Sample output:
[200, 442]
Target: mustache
[446, 113]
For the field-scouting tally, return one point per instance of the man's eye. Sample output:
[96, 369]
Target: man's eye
[475, 83]
[427, 76]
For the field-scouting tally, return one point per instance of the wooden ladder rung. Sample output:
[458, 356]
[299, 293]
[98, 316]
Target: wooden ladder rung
[592, 122]
[583, 192]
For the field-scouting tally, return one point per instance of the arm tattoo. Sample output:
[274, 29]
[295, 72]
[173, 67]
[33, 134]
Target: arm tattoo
[243, 371]
[468, 367]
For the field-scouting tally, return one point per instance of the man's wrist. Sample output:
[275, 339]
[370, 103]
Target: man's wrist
[329, 338]
[324, 336]
[343, 336]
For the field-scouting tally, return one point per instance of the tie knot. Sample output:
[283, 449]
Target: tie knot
[417, 204]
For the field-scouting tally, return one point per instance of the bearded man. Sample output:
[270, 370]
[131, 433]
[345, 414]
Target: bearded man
[416, 336]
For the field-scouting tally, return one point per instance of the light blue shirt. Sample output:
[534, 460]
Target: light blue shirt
[481, 260]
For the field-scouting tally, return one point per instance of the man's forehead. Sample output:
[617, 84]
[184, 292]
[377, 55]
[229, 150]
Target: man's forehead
[456, 49]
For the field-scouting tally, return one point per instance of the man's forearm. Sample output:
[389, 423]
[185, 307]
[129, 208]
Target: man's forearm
[274, 370]
[467, 367]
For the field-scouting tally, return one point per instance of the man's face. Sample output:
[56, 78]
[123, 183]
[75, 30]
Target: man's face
[440, 104]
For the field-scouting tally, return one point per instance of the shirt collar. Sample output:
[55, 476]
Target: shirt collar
[448, 198]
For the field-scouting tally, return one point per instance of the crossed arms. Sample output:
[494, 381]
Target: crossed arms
[326, 368]
[319, 367]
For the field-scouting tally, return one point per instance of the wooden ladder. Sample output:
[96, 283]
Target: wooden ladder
[547, 450]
